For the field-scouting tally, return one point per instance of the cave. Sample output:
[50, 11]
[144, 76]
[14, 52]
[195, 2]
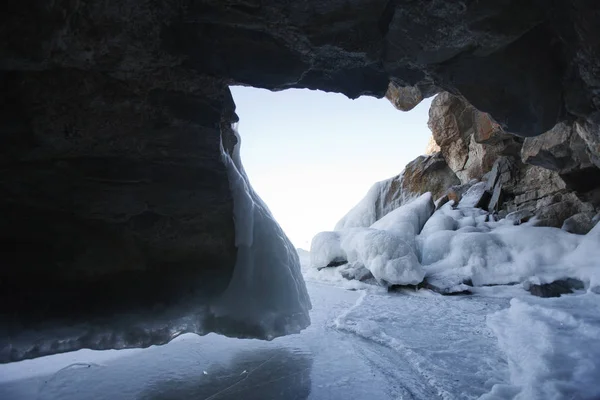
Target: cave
[117, 210]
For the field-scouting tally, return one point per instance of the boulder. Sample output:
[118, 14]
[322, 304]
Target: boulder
[560, 149]
[451, 121]
[556, 288]
[580, 223]
[355, 271]
[428, 174]
[469, 140]
[404, 98]
[554, 210]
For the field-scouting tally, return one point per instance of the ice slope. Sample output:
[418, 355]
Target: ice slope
[267, 296]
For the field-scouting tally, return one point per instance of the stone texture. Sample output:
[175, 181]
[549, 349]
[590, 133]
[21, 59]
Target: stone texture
[404, 98]
[580, 224]
[469, 139]
[428, 174]
[432, 147]
[556, 288]
[560, 149]
[589, 130]
[550, 176]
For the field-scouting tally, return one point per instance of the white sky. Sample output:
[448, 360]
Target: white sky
[312, 155]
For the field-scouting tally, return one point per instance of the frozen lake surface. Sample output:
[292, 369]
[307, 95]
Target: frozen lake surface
[361, 345]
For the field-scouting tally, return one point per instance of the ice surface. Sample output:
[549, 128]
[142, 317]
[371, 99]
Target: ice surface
[443, 343]
[584, 262]
[360, 345]
[552, 348]
[409, 347]
[364, 213]
[407, 221]
[472, 195]
[267, 296]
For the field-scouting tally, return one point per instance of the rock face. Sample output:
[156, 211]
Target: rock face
[423, 174]
[428, 174]
[432, 147]
[404, 98]
[560, 149]
[469, 140]
[112, 116]
[550, 176]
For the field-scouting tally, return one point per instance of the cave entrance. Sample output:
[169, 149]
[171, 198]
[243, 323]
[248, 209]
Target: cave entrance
[312, 155]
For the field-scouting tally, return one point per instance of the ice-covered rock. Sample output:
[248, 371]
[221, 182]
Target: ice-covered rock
[326, 248]
[387, 248]
[408, 220]
[423, 174]
[355, 271]
[390, 259]
[554, 289]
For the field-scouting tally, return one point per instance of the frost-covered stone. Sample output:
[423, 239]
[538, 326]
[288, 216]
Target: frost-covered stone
[423, 174]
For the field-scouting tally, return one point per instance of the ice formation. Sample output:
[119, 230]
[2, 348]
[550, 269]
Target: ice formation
[376, 204]
[386, 248]
[458, 245]
[488, 252]
[267, 295]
